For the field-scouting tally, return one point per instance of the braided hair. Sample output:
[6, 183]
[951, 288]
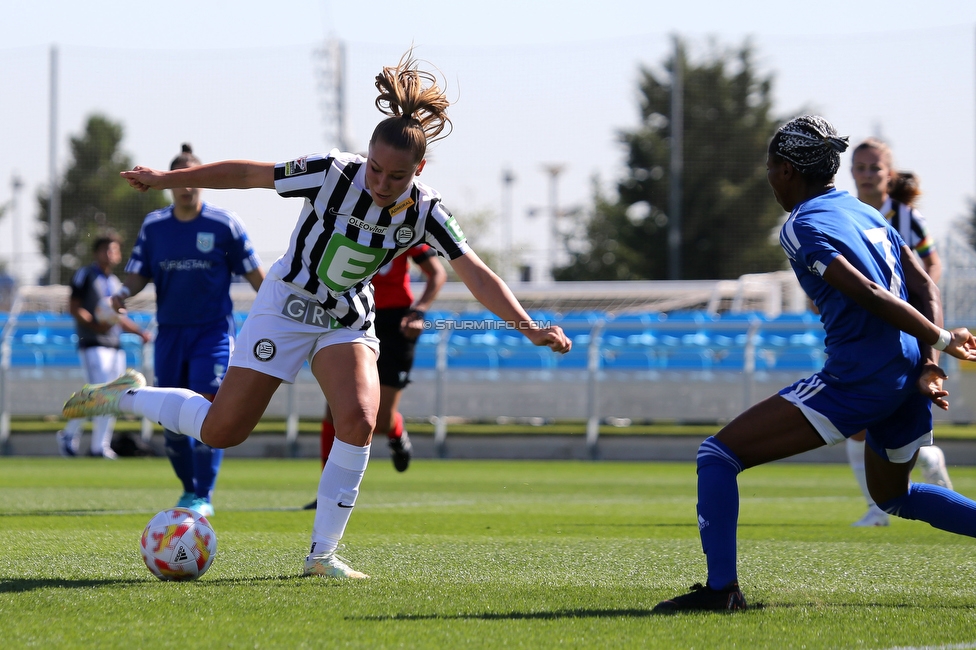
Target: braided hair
[812, 145]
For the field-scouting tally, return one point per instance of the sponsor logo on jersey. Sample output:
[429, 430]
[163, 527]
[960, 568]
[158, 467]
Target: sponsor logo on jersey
[404, 235]
[265, 350]
[345, 263]
[184, 265]
[308, 312]
[368, 227]
[401, 206]
[297, 166]
[455, 230]
[205, 242]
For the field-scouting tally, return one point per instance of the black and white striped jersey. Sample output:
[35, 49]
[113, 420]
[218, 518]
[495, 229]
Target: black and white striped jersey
[342, 238]
[910, 225]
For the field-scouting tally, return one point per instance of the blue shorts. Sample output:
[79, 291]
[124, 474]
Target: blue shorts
[898, 422]
[194, 356]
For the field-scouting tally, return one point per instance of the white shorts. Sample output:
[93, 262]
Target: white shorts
[278, 345]
[101, 364]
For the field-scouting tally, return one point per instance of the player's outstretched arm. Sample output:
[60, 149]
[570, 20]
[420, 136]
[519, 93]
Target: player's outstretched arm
[494, 294]
[225, 175]
[926, 327]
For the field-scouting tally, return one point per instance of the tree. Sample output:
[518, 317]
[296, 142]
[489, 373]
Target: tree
[728, 211]
[94, 197]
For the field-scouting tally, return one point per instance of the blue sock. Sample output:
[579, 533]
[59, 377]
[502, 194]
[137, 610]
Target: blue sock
[718, 510]
[937, 506]
[179, 449]
[206, 464]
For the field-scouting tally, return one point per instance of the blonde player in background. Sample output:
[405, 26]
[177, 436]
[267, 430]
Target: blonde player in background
[316, 303]
[893, 194]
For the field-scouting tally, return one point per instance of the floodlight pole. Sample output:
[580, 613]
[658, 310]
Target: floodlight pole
[554, 170]
[677, 161]
[54, 204]
[507, 262]
[16, 184]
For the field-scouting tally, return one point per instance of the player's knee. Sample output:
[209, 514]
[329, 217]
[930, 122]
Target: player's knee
[355, 431]
[222, 436]
[713, 452]
[900, 506]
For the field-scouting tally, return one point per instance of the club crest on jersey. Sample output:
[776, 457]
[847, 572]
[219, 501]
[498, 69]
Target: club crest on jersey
[265, 350]
[403, 235]
[205, 242]
[401, 206]
[297, 166]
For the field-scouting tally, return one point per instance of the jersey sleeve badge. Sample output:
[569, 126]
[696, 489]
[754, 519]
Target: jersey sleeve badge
[297, 166]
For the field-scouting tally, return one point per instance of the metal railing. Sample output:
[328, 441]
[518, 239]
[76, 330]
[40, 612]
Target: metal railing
[644, 350]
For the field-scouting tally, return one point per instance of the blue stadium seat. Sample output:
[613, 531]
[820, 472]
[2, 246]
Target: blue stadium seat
[629, 359]
[526, 358]
[425, 357]
[472, 357]
[688, 359]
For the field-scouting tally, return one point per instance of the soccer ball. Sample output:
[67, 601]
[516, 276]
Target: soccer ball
[178, 544]
[104, 312]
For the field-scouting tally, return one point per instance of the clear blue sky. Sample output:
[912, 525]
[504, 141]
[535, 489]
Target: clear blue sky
[535, 83]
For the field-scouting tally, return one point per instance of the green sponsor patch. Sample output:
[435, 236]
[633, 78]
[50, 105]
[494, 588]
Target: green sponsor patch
[346, 263]
[455, 230]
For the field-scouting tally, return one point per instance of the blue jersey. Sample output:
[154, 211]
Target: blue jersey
[864, 353]
[192, 262]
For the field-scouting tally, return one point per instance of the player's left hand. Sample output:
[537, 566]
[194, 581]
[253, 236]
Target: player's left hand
[962, 345]
[551, 337]
[412, 324]
[930, 385]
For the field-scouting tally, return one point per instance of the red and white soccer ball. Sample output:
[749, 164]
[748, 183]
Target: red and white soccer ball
[178, 544]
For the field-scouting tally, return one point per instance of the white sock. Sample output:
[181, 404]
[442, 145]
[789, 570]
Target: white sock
[73, 428]
[339, 485]
[102, 426]
[855, 456]
[176, 409]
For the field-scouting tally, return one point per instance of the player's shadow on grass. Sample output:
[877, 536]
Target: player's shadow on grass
[694, 524]
[21, 585]
[558, 614]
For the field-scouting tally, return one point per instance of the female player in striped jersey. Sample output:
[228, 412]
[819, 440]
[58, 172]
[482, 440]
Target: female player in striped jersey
[316, 303]
[883, 319]
[893, 194]
[399, 322]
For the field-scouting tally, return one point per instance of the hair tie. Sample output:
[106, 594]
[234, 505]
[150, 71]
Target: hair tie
[838, 143]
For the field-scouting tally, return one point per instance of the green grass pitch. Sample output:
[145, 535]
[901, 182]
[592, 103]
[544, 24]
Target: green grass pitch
[481, 554]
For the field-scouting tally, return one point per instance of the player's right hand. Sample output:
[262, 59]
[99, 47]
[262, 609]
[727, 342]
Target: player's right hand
[143, 178]
[552, 337]
[930, 385]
